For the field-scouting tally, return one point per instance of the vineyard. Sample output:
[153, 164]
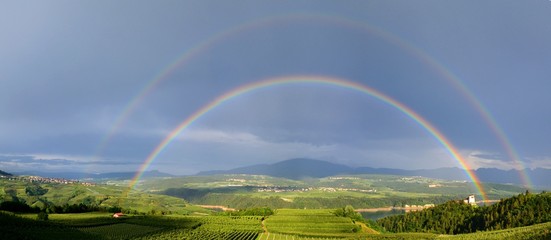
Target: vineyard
[539, 231]
[120, 230]
[277, 236]
[286, 224]
[213, 227]
[310, 223]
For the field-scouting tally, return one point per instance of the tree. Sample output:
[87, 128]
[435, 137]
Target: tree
[42, 215]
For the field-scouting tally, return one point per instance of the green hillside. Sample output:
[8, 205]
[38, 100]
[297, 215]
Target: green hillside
[285, 224]
[152, 215]
[360, 191]
[457, 217]
[71, 196]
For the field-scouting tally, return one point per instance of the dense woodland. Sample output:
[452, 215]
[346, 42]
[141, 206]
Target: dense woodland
[456, 217]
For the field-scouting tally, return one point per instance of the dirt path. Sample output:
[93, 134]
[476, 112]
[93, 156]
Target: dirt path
[264, 226]
[366, 229]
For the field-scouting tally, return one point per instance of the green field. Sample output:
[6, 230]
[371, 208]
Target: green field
[360, 191]
[304, 209]
[174, 195]
[311, 223]
[99, 195]
[285, 224]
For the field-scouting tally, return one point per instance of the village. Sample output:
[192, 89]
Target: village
[37, 179]
[278, 189]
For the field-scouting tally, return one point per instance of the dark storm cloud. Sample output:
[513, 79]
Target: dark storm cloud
[69, 70]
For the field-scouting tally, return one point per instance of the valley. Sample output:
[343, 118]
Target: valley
[240, 206]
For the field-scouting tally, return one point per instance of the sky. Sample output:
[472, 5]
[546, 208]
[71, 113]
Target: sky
[96, 86]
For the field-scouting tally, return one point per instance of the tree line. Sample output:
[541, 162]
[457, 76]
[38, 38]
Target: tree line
[22, 207]
[455, 217]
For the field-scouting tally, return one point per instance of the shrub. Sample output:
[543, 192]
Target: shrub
[42, 216]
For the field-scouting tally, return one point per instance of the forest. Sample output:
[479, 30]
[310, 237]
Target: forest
[456, 217]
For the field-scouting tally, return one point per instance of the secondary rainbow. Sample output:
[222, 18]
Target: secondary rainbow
[447, 75]
[313, 80]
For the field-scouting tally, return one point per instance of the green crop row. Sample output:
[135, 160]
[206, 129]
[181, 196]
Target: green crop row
[277, 236]
[538, 231]
[200, 234]
[119, 231]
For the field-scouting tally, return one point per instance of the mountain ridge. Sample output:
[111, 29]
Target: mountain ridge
[299, 168]
[2, 173]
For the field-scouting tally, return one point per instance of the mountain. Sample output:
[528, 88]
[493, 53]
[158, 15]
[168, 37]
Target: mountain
[300, 168]
[2, 173]
[297, 168]
[95, 176]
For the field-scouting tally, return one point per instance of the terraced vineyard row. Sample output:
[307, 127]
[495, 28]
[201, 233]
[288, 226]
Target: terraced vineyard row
[311, 223]
[120, 230]
[277, 236]
[224, 223]
[539, 231]
[201, 234]
[213, 227]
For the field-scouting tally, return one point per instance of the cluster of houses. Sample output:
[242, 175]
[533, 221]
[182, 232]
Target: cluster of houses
[37, 179]
[324, 189]
[331, 189]
[344, 178]
[283, 189]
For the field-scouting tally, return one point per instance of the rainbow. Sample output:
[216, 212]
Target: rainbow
[313, 80]
[447, 75]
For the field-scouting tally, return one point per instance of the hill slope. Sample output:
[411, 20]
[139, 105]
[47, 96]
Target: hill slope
[2, 173]
[301, 168]
[41, 195]
[298, 168]
[457, 217]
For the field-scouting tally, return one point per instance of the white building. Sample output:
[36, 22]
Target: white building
[470, 200]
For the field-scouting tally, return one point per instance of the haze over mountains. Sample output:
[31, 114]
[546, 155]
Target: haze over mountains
[95, 176]
[301, 168]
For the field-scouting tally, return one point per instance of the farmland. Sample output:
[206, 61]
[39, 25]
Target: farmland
[360, 191]
[285, 224]
[304, 209]
[311, 223]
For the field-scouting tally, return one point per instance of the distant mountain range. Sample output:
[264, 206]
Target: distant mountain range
[301, 168]
[95, 176]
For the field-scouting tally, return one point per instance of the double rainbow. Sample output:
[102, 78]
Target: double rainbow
[433, 131]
